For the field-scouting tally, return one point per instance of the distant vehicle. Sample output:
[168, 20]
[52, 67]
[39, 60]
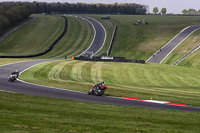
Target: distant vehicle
[106, 17]
[13, 76]
[98, 89]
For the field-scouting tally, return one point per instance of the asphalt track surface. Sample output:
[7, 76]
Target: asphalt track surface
[160, 55]
[31, 89]
[99, 37]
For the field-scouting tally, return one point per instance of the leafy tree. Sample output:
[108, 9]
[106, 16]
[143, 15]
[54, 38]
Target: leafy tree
[155, 10]
[163, 11]
[198, 13]
[185, 11]
[11, 12]
[192, 11]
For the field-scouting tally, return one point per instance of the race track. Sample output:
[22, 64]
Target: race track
[161, 54]
[31, 89]
[99, 38]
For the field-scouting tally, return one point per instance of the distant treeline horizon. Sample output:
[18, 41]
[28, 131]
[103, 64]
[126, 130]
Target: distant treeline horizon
[12, 12]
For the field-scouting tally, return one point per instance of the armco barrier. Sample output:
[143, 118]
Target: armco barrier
[44, 52]
[112, 40]
[112, 59]
[182, 58]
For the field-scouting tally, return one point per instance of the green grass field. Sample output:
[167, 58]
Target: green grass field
[140, 42]
[164, 82]
[24, 113]
[78, 38]
[186, 46]
[144, 81]
[46, 29]
[33, 37]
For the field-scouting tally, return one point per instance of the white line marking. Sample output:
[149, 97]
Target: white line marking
[92, 40]
[7, 91]
[179, 44]
[104, 38]
[154, 101]
[94, 36]
[49, 87]
[186, 55]
[172, 40]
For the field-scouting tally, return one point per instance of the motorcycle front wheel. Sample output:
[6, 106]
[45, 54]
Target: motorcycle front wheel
[90, 92]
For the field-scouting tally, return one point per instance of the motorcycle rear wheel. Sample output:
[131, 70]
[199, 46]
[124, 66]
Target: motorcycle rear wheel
[98, 91]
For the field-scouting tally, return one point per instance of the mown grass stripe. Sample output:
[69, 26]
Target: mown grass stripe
[55, 74]
[77, 71]
[124, 79]
[86, 74]
[96, 72]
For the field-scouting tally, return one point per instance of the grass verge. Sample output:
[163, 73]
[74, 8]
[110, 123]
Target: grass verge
[186, 46]
[24, 113]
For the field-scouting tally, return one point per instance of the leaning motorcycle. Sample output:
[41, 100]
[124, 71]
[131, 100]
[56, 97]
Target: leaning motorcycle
[12, 78]
[97, 90]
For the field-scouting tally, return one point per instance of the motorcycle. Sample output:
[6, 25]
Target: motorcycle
[12, 77]
[97, 90]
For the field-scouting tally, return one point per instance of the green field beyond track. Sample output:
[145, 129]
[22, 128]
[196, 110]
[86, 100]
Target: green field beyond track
[193, 59]
[163, 82]
[173, 84]
[141, 41]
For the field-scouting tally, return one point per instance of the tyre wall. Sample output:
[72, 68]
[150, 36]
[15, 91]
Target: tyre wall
[109, 59]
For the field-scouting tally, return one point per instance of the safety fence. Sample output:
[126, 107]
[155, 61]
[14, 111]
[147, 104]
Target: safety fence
[112, 40]
[197, 47]
[109, 59]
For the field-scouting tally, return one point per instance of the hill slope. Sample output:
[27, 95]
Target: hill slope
[78, 37]
[33, 37]
[141, 41]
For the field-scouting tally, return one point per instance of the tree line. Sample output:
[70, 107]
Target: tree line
[162, 12]
[11, 12]
[191, 12]
[127, 8]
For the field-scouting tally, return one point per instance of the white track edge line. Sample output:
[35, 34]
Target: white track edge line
[171, 40]
[92, 40]
[186, 56]
[179, 44]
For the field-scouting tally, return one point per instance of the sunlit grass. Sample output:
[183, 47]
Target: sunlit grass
[174, 84]
[141, 41]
